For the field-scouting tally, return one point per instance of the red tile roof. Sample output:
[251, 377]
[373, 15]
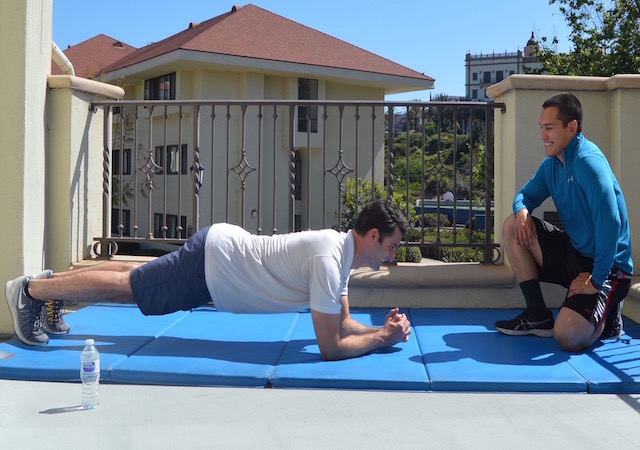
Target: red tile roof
[253, 32]
[89, 58]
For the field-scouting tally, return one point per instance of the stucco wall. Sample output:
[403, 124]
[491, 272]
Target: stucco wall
[74, 161]
[223, 85]
[26, 24]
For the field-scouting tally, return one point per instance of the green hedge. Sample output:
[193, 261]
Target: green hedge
[408, 254]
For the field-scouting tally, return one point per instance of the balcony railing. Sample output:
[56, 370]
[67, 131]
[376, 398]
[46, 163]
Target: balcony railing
[172, 167]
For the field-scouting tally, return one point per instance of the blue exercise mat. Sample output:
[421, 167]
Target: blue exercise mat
[462, 351]
[211, 348]
[118, 330]
[612, 367]
[449, 350]
[397, 367]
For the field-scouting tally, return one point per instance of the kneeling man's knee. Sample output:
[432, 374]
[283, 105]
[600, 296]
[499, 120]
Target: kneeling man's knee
[568, 341]
[508, 226]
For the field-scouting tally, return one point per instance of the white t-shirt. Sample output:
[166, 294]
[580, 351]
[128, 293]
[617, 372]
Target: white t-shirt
[248, 273]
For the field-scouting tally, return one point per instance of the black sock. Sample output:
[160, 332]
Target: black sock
[26, 291]
[533, 296]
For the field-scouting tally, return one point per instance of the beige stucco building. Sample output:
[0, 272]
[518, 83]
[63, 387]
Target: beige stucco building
[275, 59]
[486, 69]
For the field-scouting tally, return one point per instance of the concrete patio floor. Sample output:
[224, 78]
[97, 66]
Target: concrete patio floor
[45, 415]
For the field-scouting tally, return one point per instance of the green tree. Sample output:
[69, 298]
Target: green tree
[414, 115]
[605, 39]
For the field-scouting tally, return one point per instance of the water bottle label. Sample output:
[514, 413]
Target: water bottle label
[91, 366]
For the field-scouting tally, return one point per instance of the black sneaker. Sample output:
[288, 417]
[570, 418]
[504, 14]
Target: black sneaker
[522, 325]
[25, 313]
[613, 323]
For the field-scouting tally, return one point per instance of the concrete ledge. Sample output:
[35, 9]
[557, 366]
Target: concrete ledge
[564, 83]
[433, 274]
[434, 284]
[631, 307]
[105, 90]
[547, 82]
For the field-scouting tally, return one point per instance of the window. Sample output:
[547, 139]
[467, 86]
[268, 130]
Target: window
[307, 90]
[126, 164]
[173, 159]
[160, 88]
[474, 93]
[172, 226]
[499, 75]
[487, 77]
[475, 76]
[115, 221]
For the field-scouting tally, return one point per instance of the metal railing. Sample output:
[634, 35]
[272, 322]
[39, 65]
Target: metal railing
[171, 167]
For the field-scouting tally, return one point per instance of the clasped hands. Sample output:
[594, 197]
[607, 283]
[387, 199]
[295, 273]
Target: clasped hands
[398, 325]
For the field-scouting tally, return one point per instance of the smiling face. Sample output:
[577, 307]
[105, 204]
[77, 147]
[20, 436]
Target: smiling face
[555, 136]
[384, 250]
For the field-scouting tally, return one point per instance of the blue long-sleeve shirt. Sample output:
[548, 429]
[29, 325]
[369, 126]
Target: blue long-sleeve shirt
[590, 204]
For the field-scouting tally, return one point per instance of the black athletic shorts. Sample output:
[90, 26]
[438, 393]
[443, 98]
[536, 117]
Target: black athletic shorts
[561, 264]
[173, 282]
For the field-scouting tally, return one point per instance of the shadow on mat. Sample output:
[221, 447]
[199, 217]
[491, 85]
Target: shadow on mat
[621, 356]
[254, 352]
[249, 352]
[492, 348]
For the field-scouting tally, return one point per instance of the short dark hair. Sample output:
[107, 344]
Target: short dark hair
[569, 108]
[383, 215]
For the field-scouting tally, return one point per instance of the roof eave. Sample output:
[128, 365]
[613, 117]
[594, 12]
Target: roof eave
[391, 83]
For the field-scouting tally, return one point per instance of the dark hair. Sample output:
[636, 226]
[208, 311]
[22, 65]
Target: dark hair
[569, 108]
[383, 215]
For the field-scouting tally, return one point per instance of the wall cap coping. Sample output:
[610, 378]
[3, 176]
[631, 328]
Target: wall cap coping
[105, 90]
[430, 274]
[563, 83]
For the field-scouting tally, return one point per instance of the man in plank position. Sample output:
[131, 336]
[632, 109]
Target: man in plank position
[241, 273]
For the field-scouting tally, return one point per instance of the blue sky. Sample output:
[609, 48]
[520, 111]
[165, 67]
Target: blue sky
[425, 35]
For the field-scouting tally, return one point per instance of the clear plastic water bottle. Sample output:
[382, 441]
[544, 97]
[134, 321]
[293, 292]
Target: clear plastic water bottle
[90, 375]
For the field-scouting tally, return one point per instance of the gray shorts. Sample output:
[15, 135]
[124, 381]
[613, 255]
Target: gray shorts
[173, 282]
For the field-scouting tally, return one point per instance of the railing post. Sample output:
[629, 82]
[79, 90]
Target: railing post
[105, 245]
[196, 173]
[488, 183]
[292, 168]
[390, 173]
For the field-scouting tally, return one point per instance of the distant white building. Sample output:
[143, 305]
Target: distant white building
[483, 70]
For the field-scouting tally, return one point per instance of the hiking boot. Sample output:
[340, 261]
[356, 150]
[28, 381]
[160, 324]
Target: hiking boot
[52, 317]
[613, 323]
[523, 325]
[25, 312]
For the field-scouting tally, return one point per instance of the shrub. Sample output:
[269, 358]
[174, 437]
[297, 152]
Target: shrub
[413, 255]
[408, 254]
[431, 220]
[414, 235]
